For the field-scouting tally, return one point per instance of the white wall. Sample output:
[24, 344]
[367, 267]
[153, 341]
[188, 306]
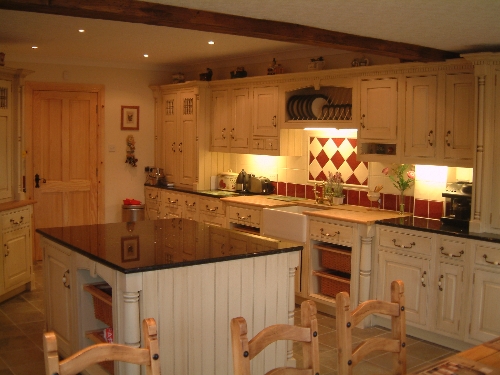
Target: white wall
[122, 87]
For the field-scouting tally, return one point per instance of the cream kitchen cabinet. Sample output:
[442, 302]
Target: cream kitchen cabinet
[212, 211]
[484, 322]
[231, 120]
[153, 202]
[242, 216]
[171, 204]
[265, 129]
[16, 253]
[190, 207]
[181, 139]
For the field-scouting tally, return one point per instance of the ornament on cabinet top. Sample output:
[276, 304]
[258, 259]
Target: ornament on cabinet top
[131, 151]
[206, 76]
[316, 64]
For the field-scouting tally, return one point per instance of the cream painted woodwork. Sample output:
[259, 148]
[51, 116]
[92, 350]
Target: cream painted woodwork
[265, 111]
[65, 157]
[378, 108]
[212, 211]
[6, 141]
[243, 215]
[16, 254]
[190, 207]
[153, 202]
[484, 322]
[421, 112]
[191, 305]
[58, 281]
[171, 204]
[182, 134]
[231, 120]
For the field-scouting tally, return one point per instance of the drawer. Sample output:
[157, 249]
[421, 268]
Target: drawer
[213, 206]
[487, 255]
[331, 232]
[212, 219]
[416, 242]
[244, 216]
[170, 199]
[152, 194]
[190, 203]
[451, 248]
[16, 218]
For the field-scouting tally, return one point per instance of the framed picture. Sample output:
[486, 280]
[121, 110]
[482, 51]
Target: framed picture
[130, 249]
[130, 117]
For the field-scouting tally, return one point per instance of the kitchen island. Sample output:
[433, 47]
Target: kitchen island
[191, 277]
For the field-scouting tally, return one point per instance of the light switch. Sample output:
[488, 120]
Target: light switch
[111, 148]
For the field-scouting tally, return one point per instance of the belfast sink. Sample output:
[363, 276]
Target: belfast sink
[288, 223]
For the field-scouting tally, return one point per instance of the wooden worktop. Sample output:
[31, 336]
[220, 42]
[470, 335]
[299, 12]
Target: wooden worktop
[354, 214]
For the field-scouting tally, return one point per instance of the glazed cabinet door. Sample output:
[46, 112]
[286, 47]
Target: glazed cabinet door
[220, 120]
[58, 295]
[6, 141]
[459, 118]
[169, 127]
[265, 111]
[379, 109]
[187, 139]
[449, 298]
[414, 272]
[16, 257]
[420, 124]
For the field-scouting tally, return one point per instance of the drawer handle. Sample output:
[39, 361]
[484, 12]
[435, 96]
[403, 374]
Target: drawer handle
[12, 221]
[328, 234]
[422, 279]
[151, 197]
[447, 138]
[243, 217]
[65, 279]
[6, 250]
[173, 147]
[439, 283]
[363, 121]
[212, 209]
[403, 246]
[429, 137]
[190, 205]
[450, 254]
[171, 201]
[224, 133]
[232, 136]
[495, 263]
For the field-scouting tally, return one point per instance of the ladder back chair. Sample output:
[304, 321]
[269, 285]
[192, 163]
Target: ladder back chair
[77, 362]
[348, 356]
[307, 334]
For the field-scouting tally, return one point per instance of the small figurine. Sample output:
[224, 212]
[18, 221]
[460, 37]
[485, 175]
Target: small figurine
[130, 151]
[206, 76]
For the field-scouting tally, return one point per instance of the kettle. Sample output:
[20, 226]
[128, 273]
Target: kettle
[242, 181]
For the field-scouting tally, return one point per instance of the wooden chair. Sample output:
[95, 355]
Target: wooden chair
[147, 356]
[244, 350]
[347, 320]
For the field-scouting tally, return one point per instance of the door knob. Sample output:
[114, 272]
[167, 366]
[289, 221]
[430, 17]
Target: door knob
[38, 179]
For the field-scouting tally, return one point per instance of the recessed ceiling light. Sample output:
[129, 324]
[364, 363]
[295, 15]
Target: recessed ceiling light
[81, 31]
[211, 42]
[34, 47]
[146, 55]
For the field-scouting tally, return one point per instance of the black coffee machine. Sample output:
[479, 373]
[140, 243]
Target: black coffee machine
[458, 204]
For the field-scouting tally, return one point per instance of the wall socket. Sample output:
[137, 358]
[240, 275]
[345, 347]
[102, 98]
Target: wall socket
[273, 177]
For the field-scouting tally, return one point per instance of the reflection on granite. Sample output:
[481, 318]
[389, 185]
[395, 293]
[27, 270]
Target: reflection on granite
[435, 226]
[156, 244]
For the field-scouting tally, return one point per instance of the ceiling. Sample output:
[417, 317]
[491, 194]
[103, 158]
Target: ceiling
[451, 25]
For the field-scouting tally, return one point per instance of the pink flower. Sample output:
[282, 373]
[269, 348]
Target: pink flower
[385, 171]
[411, 174]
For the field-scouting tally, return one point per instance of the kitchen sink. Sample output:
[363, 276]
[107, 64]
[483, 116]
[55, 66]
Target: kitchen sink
[288, 223]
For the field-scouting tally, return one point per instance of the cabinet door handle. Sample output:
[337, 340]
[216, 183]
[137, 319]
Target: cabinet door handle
[65, 279]
[403, 246]
[38, 179]
[439, 283]
[232, 136]
[7, 252]
[211, 209]
[180, 147]
[448, 133]
[173, 146]
[429, 137]
[495, 263]
[171, 201]
[450, 254]
[274, 122]
[151, 197]
[190, 205]
[362, 123]
[12, 221]
[422, 279]
[328, 234]
[223, 133]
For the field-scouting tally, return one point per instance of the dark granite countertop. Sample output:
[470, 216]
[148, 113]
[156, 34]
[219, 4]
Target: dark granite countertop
[158, 244]
[435, 226]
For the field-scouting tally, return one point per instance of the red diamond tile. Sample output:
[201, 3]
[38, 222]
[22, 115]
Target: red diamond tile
[321, 176]
[353, 142]
[322, 141]
[351, 160]
[322, 158]
[338, 141]
[311, 157]
[337, 160]
[311, 177]
[353, 180]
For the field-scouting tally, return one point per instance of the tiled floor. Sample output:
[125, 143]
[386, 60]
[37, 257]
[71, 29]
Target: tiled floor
[22, 323]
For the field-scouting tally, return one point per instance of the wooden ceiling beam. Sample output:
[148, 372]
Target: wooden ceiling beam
[177, 17]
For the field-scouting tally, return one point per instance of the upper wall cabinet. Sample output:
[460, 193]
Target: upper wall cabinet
[315, 102]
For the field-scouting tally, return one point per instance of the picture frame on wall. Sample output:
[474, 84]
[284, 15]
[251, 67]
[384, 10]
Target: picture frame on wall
[130, 117]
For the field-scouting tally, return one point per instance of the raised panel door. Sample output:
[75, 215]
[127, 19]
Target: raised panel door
[240, 120]
[449, 301]
[220, 119]
[420, 124]
[17, 257]
[5, 141]
[414, 272]
[459, 117]
[265, 111]
[379, 109]
[485, 324]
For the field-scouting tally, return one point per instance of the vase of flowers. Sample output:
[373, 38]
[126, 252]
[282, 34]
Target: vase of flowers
[402, 177]
[334, 188]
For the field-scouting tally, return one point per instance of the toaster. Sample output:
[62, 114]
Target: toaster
[259, 185]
